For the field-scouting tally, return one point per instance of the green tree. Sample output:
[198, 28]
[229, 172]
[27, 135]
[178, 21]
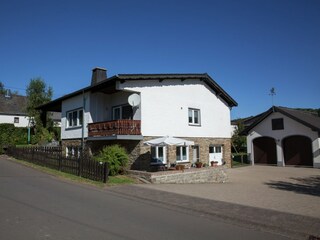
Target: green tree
[2, 90]
[38, 93]
[239, 142]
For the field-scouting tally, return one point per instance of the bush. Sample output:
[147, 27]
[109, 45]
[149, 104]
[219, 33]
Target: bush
[10, 135]
[116, 157]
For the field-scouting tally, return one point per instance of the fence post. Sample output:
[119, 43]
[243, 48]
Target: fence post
[105, 172]
[59, 160]
[80, 165]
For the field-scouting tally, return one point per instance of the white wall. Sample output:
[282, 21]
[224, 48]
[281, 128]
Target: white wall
[23, 120]
[164, 108]
[291, 127]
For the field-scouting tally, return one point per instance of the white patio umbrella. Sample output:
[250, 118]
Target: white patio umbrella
[168, 140]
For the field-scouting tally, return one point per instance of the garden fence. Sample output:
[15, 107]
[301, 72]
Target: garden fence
[53, 157]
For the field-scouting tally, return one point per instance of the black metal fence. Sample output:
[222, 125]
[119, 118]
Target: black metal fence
[53, 157]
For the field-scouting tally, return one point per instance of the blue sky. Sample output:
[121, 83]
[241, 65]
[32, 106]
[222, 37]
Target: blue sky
[247, 46]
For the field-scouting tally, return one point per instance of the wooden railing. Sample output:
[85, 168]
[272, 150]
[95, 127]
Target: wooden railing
[117, 127]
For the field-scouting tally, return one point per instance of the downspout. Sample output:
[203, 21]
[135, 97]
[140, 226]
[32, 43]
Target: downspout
[83, 120]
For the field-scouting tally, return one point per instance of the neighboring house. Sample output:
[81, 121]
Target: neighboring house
[13, 110]
[190, 106]
[284, 136]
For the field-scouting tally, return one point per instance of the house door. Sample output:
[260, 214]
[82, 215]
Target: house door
[195, 152]
[215, 154]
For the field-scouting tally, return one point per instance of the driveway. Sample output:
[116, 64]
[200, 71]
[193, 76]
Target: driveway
[285, 189]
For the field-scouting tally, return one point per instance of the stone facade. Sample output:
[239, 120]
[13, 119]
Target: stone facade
[140, 154]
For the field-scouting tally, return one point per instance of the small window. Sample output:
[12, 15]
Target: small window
[277, 124]
[16, 120]
[194, 116]
[182, 154]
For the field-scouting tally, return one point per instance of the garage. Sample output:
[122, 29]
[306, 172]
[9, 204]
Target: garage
[297, 150]
[265, 151]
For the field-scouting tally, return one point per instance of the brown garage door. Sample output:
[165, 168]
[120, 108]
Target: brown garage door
[297, 151]
[265, 151]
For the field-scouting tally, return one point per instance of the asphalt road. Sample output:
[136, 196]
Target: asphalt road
[35, 205]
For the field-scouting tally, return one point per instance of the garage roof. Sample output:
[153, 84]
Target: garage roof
[308, 119]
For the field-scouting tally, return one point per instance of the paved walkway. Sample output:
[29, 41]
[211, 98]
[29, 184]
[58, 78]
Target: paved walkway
[285, 189]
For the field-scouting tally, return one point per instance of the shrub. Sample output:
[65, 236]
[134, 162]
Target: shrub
[116, 157]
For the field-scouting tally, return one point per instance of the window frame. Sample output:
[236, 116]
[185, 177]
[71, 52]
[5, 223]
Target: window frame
[155, 149]
[16, 120]
[120, 107]
[192, 117]
[74, 118]
[179, 149]
[277, 124]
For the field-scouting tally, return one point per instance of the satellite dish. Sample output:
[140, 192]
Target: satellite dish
[134, 99]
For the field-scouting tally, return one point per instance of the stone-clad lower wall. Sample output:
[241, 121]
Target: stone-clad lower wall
[204, 175]
[140, 154]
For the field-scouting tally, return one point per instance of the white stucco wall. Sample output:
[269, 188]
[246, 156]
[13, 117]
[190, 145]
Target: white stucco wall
[164, 108]
[23, 120]
[291, 127]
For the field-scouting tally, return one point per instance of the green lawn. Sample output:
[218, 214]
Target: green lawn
[112, 181]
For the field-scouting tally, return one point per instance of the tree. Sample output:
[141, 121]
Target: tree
[2, 90]
[239, 142]
[37, 93]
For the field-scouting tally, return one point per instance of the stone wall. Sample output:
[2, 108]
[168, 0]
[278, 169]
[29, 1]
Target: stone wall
[203, 175]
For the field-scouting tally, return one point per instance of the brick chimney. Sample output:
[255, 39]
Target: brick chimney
[98, 75]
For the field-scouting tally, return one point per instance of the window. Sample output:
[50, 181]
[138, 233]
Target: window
[182, 154]
[16, 120]
[194, 116]
[277, 124]
[73, 151]
[122, 112]
[159, 152]
[75, 118]
[215, 149]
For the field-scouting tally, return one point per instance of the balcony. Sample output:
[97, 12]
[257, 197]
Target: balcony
[115, 129]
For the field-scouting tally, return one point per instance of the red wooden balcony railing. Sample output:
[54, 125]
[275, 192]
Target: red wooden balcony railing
[117, 127]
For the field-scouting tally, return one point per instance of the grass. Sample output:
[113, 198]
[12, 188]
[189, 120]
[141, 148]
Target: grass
[112, 181]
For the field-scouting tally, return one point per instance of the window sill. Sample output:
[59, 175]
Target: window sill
[194, 125]
[73, 128]
[182, 161]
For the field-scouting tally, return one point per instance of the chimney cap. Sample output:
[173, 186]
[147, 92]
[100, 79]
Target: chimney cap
[99, 68]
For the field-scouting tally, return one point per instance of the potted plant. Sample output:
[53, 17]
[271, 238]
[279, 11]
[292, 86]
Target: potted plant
[214, 163]
[198, 164]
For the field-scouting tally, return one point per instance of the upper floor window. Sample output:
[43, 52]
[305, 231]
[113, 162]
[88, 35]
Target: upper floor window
[277, 124]
[16, 120]
[75, 118]
[194, 116]
[122, 112]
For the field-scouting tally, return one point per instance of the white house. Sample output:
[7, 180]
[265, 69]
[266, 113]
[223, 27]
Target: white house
[189, 106]
[284, 136]
[13, 110]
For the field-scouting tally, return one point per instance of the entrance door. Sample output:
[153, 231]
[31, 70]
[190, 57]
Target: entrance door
[215, 154]
[195, 152]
